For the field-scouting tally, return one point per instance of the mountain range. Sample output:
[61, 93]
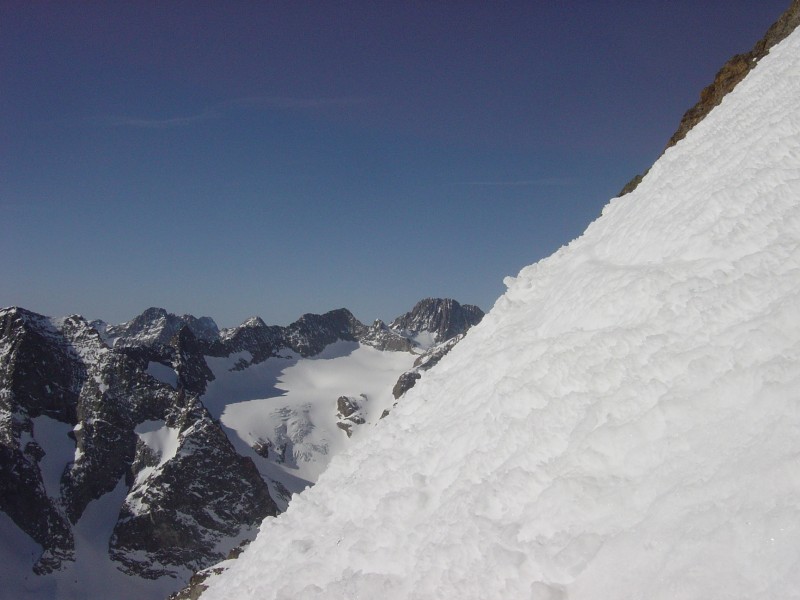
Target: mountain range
[144, 451]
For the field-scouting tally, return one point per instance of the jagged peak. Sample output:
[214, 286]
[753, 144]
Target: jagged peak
[29, 318]
[154, 312]
[443, 318]
[11, 310]
[253, 322]
[336, 312]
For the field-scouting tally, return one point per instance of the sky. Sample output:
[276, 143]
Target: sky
[233, 159]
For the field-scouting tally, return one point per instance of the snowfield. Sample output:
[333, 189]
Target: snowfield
[624, 424]
[293, 402]
[91, 575]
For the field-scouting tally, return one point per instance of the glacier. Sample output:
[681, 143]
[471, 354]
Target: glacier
[624, 423]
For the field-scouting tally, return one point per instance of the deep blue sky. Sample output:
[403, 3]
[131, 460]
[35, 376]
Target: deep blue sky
[239, 158]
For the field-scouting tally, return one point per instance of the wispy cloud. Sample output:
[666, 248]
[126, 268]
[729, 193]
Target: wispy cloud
[149, 123]
[541, 182]
[249, 102]
[294, 103]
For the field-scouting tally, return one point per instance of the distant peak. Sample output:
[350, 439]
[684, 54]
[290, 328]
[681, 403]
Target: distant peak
[443, 317]
[154, 312]
[253, 322]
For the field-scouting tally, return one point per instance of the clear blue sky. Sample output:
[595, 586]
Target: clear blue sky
[250, 158]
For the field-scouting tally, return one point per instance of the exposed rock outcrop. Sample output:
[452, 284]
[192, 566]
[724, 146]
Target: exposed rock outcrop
[349, 412]
[155, 326]
[426, 361]
[727, 78]
[443, 317]
[181, 519]
[62, 371]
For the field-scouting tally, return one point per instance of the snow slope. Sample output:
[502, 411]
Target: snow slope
[291, 403]
[625, 423]
[91, 575]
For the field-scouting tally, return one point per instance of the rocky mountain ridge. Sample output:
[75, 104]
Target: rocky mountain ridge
[88, 407]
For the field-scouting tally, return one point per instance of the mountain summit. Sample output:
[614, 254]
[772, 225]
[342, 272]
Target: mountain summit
[623, 424]
[443, 317]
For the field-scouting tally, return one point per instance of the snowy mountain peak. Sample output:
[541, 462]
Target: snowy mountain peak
[253, 322]
[156, 326]
[442, 318]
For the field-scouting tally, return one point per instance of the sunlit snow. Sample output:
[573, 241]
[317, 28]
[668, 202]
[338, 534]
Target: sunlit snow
[162, 440]
[92, 575]
[293, 400]
[59, 449]
[163, 373]
[624, 424]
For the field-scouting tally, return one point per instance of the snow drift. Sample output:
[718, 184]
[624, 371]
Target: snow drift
[625, 423]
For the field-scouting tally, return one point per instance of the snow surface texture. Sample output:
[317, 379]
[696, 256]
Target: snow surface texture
[625, 423]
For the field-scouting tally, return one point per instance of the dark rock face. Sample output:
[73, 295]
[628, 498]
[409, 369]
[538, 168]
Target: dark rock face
[349, 412]
[727, 78]
[39, 376]
[444, 317]
[307, 336]
[63, 370]
[380, 336]
[310, 334]
[23, 498]
[405, 382]
[254, 336]
[112, 402]
[189, 362]
[426, 361]
[179, 519]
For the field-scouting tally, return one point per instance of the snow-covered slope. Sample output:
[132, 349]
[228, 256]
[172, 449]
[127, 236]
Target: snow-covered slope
[282, 413]
[625, 423]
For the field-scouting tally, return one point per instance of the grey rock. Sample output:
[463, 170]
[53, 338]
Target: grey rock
[380, 336]
[424, 362]
[180, 515]
[444, 317]
[156, 326]
[349, 411]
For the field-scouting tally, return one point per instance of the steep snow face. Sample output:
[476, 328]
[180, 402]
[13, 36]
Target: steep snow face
[162, 441]
[58, 450]
[623, 424]
[89, 575]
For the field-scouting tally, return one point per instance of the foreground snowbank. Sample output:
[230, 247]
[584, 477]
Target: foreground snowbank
[623, 424]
